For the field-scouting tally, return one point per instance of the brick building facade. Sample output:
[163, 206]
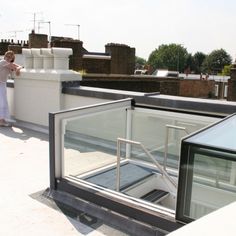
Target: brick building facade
[117, 58]
[38, 40]
[103, 69]
[11, 45]
[122, 58]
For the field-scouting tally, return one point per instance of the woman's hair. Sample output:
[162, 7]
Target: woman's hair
[10, 56]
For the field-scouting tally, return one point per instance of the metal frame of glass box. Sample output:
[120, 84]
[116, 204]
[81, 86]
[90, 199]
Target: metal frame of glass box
[207, 171]
[158, 217]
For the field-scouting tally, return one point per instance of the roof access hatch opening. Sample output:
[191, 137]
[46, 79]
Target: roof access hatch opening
[121, 153]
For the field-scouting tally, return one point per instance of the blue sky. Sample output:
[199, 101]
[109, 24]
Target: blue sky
[199, 25]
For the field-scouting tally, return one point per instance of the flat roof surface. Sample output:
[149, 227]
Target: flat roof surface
[24, 173]
[217, 223]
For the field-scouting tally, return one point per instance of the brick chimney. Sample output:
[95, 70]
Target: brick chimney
[38, 40]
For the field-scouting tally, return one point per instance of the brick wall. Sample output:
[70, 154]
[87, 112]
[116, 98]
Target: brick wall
[15, 46]
[170, 87]
[75, 61]
[122, 82]
[96, 65]
[231, 90]
[148, 84]
[17, 49]
[3, 47]
[38, 40]
[232, 84]
[122, 58]
[127, 85]
[197, 88]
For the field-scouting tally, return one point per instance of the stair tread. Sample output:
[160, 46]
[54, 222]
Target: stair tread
[154, 195]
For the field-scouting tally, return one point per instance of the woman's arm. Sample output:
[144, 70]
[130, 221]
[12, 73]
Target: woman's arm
[14, 67]
[18, 68]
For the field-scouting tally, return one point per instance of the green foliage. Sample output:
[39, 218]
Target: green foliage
[140, 62]
[189, 63]
[171, 57]
[226, 70]
[215, 61]
[175, 57]
[198, 59]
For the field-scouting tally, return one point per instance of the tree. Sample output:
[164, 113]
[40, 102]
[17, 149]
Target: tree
[171, 57]
[198, 59]
[140, 62]
[226, 70]
[189, 63]
[215, 61]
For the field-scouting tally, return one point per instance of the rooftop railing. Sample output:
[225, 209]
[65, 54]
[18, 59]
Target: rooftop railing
[149, 155]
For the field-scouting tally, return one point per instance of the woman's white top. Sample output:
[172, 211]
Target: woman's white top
[5, 71]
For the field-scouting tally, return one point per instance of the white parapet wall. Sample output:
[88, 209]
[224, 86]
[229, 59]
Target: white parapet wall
[37, 91]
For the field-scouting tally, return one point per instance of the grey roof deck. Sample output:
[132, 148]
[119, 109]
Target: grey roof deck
[24, 172]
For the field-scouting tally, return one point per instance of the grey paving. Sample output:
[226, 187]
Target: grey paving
[24, 172]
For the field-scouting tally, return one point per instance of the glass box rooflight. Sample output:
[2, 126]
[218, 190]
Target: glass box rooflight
[207, 172]
[88, 161]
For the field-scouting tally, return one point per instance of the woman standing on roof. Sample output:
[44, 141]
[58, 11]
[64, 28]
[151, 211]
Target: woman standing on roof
[7, 66]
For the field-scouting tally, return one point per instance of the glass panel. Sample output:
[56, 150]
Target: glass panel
[150, 128]
[90, 149]
[213, 184]
[222, 135]
[90, 141]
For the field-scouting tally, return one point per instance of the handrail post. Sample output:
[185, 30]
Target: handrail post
[118, 167]
[128, 132]
[166, 148]
[159, 167]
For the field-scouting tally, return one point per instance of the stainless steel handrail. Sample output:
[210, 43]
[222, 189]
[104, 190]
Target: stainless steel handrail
[167, 139]
[159, 167]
